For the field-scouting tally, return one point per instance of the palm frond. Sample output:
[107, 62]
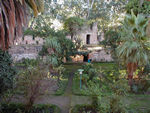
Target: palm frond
[13, 18]
[135, 43]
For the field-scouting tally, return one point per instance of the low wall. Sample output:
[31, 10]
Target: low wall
[101, 56]
[24, 51]
[96, 56]
[31, 51]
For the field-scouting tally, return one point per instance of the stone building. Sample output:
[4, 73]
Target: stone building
[88, 34]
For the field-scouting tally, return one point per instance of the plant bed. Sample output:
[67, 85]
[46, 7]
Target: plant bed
[62, 87]
[21, 108]
[83, 109]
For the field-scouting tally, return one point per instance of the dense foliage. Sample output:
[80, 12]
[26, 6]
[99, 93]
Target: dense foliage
[111, 39]
[19, 108]
[7, 71]
[41, 27]
[111, 42]
[29, 82]
[72, 25]
[138, 7]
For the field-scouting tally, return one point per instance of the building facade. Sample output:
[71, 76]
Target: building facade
[88, 34]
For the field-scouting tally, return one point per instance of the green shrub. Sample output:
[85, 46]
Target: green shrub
[146, 70]
[137, 9]
[7, 71]
[30, 83]
[108, 104]
[110, 75]
[141, 85]
[83, 109]
[21, 108]
[90, 71]
[116, 105]
[28, 62]
[111, 39]
[120, 87]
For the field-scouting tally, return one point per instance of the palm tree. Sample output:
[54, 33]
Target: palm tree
[13, 17]
[134, 46]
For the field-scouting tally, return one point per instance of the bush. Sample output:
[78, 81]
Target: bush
[90, 71]
[120, 87]
[83, 109]
[146, 70]
[110, 76]
[7, 71]
[111, 39]
[30, 82]
[116, 105]
[21, 108]
[28, 62]
[108, 104]
[140, 86]
[134, 5]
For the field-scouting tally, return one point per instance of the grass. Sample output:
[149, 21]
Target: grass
[107, 66]
[76, 88]
[75, 66]
[72, 67]
[62, 86]
[139, 103]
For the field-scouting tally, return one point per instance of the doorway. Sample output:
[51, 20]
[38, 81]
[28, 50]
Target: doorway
[88, 39]
[85, 58]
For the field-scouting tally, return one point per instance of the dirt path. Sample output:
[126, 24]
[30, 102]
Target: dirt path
[68, 91]
[64, 101]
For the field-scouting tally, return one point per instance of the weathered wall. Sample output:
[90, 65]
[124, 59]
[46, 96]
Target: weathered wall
[87, 30]
[96, 56]
[24, 51]
[28, 40]
[31, 51]
[101, 56]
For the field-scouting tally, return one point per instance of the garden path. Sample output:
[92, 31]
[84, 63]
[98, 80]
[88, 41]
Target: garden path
[64, 102]
[67, 101]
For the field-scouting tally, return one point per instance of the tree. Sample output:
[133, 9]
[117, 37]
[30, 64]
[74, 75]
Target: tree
[57, 47]
[72, 25]
[138, 7]
[111, 42]
[134, 46]
[13, 17]
[41, 27]
[7, 72]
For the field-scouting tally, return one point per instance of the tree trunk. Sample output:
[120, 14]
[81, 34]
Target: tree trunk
[131, 68]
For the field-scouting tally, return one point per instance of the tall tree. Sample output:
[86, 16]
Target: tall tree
[134, 46]
[13, 17]
[73, 24]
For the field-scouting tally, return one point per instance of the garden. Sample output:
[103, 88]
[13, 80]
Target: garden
[63, 77]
